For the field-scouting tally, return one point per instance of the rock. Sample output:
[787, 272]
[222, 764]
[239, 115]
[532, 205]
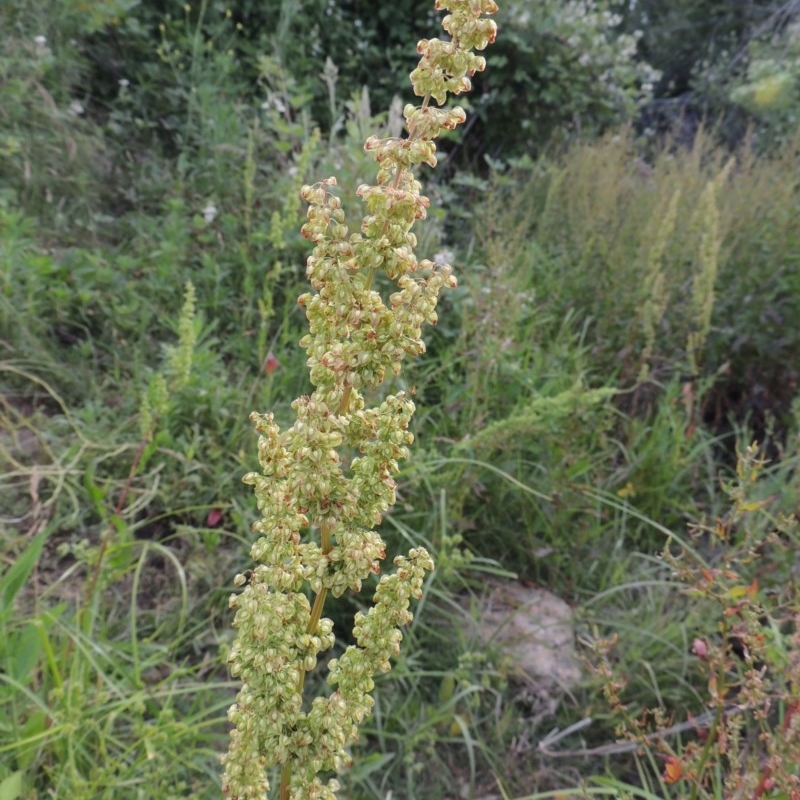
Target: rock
[534, 630]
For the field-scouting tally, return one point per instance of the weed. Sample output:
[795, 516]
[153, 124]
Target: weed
[307, 484]
[744, 741]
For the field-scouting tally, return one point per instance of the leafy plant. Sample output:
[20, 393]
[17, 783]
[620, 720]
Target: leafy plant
[307, 483]
[744, 741]
[86, 667]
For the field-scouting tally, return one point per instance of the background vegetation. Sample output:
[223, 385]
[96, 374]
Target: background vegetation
[622, 208]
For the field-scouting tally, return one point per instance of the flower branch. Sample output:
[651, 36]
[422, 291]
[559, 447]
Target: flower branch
[327, 481]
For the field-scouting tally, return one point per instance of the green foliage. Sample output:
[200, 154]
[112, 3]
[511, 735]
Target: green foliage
[561, 430]
[565, 70]
[767, 87]
[587, 224]
[51, 156]
[681, 34]
[366, 45]
[106, 712]
[734, 64]
[96, 694]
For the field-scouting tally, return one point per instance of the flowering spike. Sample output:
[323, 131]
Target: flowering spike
[329, 479]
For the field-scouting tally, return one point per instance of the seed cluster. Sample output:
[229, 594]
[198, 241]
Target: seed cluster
[327, 481]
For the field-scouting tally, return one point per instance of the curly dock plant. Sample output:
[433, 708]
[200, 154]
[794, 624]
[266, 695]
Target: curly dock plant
[326, 482]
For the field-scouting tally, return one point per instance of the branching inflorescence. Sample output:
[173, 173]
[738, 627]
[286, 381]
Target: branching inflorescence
[326, 482]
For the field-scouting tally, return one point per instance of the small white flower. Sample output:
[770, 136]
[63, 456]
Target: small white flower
[209, 213]
[443, 257]
[124, 83]
[76, 108]
[41, 41]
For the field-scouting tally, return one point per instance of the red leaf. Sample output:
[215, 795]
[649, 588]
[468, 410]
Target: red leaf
[672, 770]
[790, 712]
[271, 363]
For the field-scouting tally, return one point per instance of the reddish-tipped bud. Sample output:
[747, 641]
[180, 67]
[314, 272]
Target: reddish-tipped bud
[700, 649]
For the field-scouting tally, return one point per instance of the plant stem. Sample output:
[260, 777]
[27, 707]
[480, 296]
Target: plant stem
[316, 614]
[286, 774]
[712, 735]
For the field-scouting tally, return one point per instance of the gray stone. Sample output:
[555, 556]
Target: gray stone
[533, 630]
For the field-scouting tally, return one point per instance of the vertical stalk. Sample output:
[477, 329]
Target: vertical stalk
[308, 483]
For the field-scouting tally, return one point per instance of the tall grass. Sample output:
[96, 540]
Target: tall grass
[590, 230]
